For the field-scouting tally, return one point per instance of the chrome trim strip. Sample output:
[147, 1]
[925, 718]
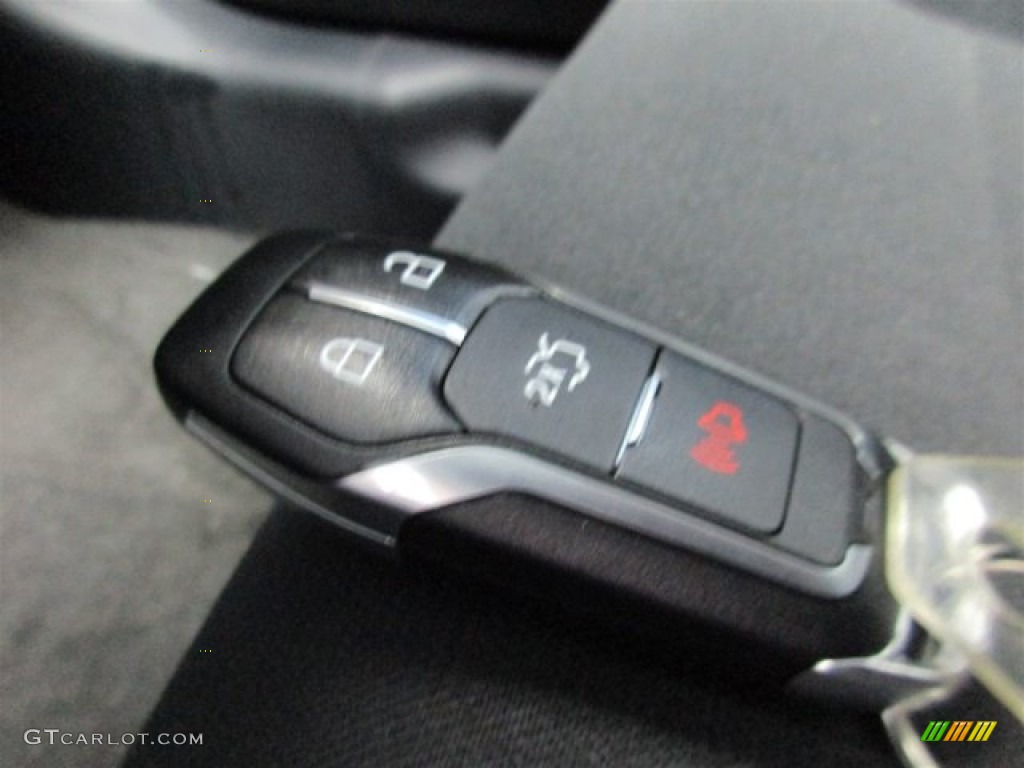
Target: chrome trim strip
[413, 318]
[431, 480]
[893, 679]
[640, 418]
[211, 435]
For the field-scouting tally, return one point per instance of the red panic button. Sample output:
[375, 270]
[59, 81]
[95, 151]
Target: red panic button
[723, 423]
[720, 446]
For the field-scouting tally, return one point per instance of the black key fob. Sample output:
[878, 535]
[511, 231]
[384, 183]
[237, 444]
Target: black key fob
[436, 405]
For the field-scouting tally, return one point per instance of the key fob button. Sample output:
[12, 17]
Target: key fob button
[355, 377]
[440, 285]
[549, 375]
[716, 444]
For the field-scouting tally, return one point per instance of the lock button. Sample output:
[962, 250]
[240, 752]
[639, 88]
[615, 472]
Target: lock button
[716, 444]
[351, 376]
[544, 373]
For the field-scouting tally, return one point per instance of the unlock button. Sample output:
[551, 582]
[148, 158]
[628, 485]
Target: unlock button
[716, 445]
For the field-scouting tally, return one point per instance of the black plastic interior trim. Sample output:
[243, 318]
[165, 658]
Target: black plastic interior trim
[531, 24]
[201, 112]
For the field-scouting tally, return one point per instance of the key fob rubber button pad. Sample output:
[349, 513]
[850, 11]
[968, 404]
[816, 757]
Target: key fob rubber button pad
[355, 377]
[551, 376]
[717, 444]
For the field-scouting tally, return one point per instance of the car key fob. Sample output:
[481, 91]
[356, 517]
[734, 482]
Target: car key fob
[432, 404]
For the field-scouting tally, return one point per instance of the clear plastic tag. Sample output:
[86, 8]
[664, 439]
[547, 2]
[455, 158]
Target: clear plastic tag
[955, 561]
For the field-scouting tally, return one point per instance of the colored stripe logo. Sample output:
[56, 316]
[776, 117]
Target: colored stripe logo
[958, 730]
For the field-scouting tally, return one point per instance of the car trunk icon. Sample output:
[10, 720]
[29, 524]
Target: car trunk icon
[547, 381]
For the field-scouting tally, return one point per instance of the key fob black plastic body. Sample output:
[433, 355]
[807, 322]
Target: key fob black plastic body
[436, 405]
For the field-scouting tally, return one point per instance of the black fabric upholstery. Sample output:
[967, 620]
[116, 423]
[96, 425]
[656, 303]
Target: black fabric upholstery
[828, 193]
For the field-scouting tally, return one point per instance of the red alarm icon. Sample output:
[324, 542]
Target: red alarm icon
[723, 423]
